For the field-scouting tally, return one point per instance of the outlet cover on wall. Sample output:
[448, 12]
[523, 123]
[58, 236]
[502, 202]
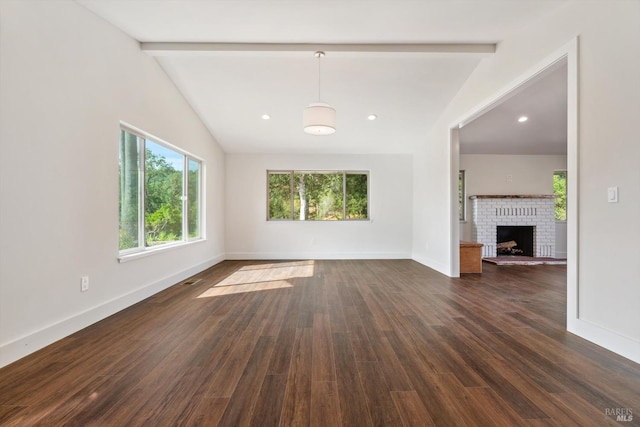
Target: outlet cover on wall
[84, 283]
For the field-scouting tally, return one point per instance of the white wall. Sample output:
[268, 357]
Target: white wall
[561, 239]
[487, 174]
[250, 236]
[609, 101]
[67, 78]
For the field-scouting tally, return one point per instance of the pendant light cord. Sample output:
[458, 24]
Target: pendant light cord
[319, 98]
[319, 54]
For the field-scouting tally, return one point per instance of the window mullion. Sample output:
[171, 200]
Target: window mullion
[142, 242]
[185, 195]
[201, 200]
[344, 196]
[292, 187]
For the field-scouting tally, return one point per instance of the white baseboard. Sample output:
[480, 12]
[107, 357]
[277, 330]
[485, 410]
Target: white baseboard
[561, 254]
[624, 346]
[316, 255]
[21, 347]
[428, 262]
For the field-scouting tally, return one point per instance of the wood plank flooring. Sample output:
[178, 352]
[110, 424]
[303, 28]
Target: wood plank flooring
[330, 343]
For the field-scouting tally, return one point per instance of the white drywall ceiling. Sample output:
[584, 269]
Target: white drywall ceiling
[407, 91]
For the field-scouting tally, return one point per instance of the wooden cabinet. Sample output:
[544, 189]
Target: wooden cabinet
[470, 257]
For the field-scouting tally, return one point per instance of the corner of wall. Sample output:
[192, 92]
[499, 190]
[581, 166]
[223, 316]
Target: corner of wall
[435, 265]
[610, 340]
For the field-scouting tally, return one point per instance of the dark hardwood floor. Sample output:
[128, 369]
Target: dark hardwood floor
[330, 343]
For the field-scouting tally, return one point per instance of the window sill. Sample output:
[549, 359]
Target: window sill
[156, 250]
[320, 220]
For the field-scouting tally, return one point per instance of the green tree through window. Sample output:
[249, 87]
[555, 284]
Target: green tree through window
[317, 196]
[560, 191]
[159, 193]
[357, 200]
[280, 195]
[164, 170]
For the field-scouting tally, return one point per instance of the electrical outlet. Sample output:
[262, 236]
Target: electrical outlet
[84, 283]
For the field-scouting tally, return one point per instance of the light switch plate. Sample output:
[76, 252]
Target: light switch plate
[612, 194]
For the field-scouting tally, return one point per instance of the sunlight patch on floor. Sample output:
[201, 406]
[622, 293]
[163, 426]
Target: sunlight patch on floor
[261, 277]
[269, 272]
[239, 289]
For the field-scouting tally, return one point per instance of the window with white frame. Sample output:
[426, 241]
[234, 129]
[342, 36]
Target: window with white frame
[317, 195]
[160, 193]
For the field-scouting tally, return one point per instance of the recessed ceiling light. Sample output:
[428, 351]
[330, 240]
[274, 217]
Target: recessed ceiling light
[266, 117]
[523, 119]
[372, 117]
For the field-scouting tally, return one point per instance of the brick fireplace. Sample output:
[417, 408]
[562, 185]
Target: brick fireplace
[493, 211]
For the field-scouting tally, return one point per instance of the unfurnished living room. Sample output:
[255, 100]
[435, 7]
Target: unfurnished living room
[319, 213]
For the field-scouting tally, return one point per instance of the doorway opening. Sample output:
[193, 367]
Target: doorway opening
[565, 57]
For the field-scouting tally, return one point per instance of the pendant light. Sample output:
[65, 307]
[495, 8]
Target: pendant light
[319, 118]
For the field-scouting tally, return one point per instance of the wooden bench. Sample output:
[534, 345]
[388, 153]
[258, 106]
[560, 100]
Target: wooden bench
[470, 257]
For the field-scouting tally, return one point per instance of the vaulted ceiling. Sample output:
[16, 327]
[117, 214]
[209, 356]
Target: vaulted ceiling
[531, 120]
[398, 59]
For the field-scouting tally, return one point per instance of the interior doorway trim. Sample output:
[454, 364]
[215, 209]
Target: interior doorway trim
[568, 52]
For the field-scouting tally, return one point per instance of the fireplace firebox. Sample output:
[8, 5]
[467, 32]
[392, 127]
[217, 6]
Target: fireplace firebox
[514, 240]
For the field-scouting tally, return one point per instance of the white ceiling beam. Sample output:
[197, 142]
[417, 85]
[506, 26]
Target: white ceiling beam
[173, 48]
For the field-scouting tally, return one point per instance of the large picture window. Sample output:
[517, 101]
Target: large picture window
[160, 189]
[317, 196]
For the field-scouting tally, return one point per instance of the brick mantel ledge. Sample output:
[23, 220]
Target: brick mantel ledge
[514, 196]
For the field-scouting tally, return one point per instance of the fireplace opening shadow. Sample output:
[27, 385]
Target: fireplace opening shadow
[515, 240]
